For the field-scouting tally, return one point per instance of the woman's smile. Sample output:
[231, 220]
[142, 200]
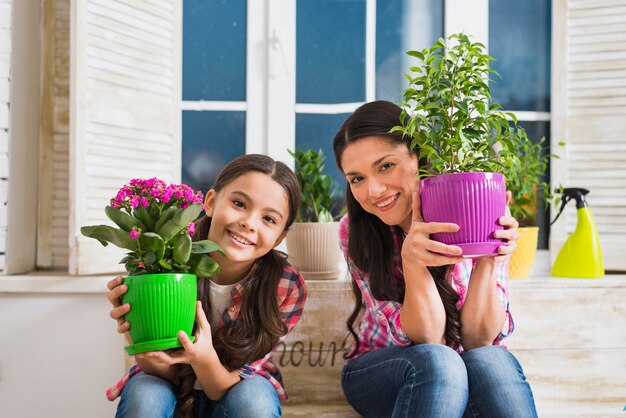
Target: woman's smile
[382, 176]
[387, 203]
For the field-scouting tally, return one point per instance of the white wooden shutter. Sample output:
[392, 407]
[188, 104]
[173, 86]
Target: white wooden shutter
[589, 114]
[52, 225]
[125, 111]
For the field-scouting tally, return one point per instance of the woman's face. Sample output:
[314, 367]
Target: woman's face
[382, 176]
[248, 218]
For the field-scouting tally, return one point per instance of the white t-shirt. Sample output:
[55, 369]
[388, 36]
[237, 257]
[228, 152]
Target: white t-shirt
[220, 299]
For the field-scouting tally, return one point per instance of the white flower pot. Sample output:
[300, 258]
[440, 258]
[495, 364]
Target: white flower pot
[313, 249]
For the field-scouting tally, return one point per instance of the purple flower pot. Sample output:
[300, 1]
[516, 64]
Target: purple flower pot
[474, 201]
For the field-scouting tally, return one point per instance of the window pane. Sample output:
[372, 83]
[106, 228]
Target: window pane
[318, 131]
[330, 51]
[211, 139]
[403, 25]
[535, 130]
[519, 40]
[214, 50]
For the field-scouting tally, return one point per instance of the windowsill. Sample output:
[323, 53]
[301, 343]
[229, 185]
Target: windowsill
[53, 282]
[61, 282]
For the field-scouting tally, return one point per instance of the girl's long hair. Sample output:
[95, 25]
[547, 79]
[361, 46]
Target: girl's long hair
[258, 327]
[376, 119]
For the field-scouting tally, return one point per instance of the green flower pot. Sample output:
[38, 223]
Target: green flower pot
[160, 306]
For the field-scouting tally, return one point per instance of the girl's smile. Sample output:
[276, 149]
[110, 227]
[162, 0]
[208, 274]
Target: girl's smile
[248, 219]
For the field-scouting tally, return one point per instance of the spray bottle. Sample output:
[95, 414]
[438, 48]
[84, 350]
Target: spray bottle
[581, 255]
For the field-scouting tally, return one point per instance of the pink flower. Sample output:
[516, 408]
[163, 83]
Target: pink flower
[191, 228]
[135, 232]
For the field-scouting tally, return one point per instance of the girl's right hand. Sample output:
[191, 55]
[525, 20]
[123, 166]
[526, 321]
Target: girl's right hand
[420, 249]
[116, 289]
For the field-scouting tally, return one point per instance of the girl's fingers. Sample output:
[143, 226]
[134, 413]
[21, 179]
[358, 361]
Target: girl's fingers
[185, 341]
[116, 293]
[123, 327]
[203, 322]
[115, 282]
[119, 312]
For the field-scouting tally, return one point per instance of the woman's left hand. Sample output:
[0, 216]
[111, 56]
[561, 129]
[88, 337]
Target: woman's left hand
[197, 352]
[509, 233]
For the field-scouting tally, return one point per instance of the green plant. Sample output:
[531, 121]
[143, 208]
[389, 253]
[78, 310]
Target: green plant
[524, 180]
[450, 117]
[155, 222]
[317, 188]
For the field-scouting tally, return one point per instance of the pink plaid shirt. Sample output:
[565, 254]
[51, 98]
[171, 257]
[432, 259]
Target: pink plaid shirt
[291, 297]
[380, 323]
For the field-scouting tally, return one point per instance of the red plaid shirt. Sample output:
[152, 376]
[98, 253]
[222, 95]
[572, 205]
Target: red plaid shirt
[380, 323]
[291, 297]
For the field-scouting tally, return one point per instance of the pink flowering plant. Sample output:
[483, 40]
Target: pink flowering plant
[155, 222]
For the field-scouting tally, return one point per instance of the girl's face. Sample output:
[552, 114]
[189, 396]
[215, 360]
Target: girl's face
[382, 176]
[249, 216]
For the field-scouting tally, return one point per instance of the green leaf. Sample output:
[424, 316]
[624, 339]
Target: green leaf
[166, 215]
[123, 219]
[203, 266]
[205, 247]
[153, 242]
[182, 248]
[179, 221]
[143, 215]
[107, 234]
[165, 264]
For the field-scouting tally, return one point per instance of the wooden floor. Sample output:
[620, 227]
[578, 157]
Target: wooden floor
[570, 337]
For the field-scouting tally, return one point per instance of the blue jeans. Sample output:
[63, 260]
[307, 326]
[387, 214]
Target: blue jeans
[432, 380]
[147, 396]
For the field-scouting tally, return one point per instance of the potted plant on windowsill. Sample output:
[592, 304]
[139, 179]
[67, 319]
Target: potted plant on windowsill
[527, 187]
[465, 142]
[155, 223]
[313, 239]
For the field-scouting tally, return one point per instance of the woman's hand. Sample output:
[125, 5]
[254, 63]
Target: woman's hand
[420, 249]
[201, 351]
[116, 289]
[509, 233]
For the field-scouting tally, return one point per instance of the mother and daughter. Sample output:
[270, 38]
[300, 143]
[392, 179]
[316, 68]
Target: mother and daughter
[428, 327]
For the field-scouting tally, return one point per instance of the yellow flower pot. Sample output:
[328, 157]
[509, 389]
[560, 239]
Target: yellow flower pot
[524, 256]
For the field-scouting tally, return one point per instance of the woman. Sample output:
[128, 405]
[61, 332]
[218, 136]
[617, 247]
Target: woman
[431, 323]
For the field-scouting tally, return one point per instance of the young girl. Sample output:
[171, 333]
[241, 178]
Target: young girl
[429, 339]
[256, 299]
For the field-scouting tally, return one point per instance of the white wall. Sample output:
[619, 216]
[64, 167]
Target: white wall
[58, 352]
[5, 55]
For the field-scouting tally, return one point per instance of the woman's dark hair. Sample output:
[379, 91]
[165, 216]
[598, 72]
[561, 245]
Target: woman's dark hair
[258, 327]
[376, 119]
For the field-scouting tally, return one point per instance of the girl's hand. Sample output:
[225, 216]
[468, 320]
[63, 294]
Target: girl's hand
[116, 289]
[199, 352]
[419, 248]
[509, 233]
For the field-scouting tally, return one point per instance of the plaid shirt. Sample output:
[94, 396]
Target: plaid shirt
[380, 323]
[291, 295]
